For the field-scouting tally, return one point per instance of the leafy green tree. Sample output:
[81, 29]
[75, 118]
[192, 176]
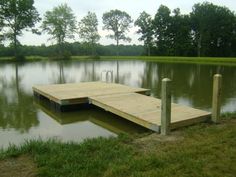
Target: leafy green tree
[119, 23]
[161, 25]
[213, 29]
[1, 32]
[180, 34]
[18, 15]
[144, 22]
[88, 30]
[60, 23]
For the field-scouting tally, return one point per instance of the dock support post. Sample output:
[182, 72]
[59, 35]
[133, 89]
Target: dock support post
[165, 106]
[216, 98]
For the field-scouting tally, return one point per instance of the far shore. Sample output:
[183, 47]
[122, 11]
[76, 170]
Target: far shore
[163, 59]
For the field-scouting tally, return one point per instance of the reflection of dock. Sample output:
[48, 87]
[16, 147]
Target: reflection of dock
[97, 116]
[60, 117]
[121, 100]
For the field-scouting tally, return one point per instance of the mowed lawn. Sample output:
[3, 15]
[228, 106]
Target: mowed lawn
[205, 149]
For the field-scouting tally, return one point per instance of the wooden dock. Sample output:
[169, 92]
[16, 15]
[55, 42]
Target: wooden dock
[77, 93]
[124, 101]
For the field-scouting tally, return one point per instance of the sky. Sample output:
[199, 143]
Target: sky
[133, 7]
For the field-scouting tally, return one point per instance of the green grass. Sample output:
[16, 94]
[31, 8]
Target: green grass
[198, 60]
[201, 150]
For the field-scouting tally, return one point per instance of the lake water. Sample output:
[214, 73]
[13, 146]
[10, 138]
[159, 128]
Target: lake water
[22, 117]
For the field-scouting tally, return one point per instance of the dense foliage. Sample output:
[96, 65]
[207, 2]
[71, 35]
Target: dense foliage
[74, 49]
[144, 22]
[208, 31]
[88, 30]
[16, 16]
[214, 30]
[1, 28]
[119, 23]
[60, 23]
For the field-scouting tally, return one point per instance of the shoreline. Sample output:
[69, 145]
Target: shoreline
[204, 149]
[164, 59]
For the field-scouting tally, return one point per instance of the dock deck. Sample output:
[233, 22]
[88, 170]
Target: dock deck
[124, 101]
[146, 111]
[77, 93]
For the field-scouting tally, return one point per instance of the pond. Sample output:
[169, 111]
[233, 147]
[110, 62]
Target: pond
[22, 117]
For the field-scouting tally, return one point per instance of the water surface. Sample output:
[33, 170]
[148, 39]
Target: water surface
[22, 117]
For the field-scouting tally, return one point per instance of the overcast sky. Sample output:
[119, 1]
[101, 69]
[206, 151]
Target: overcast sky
[132, 7]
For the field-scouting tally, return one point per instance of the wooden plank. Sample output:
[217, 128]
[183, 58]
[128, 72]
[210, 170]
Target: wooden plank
[76, 93]
[146, 111]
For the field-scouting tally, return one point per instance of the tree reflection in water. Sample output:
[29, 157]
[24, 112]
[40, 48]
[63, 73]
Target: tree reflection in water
[192, 84]
[17, 110]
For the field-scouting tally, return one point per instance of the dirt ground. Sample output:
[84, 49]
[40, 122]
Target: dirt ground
[22, 166]
[151, 142]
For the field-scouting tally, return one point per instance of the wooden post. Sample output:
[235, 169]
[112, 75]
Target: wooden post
[216, 98]
[165, 106]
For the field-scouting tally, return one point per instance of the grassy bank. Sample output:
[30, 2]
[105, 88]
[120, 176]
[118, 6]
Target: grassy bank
[198, 60]
[192, 60]
[201, 150]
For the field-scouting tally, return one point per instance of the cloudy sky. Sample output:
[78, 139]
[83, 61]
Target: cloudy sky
[132, 7]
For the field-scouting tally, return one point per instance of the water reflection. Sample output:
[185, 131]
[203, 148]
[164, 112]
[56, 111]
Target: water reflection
[94, 115]
[16, 108]
[192, 84]
[20, 118]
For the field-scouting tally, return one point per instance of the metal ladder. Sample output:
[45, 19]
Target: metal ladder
[108, 76]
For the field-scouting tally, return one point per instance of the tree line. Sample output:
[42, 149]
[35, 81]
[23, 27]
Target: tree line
[208, 30]
[73, 49]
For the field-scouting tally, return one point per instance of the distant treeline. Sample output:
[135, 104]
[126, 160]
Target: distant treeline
[74, 49]
[208, 30]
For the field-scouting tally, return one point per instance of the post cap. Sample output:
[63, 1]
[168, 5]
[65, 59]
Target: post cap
[217, 75]
[166, 80]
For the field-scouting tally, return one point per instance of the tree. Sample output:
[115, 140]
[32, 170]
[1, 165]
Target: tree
[119, 23]
[180, 33]
[144, 22]
[88, 30]
[161, 25]
[18, 15]
[1, 28]
[213, 29]
[60, 23]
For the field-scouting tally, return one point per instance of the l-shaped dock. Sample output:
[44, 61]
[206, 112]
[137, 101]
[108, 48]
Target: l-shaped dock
[127, 102]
